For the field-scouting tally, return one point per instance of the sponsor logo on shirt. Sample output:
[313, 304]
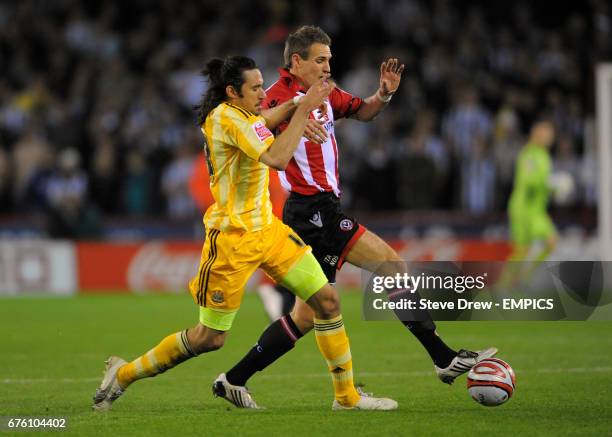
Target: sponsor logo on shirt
[261, 131]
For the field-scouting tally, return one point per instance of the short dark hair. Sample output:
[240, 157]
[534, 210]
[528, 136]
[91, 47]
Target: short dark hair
[300, 41]
[220, 74]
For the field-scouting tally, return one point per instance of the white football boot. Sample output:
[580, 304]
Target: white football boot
[462, 363]
[236, 395]
[109, 390]
[367, 402]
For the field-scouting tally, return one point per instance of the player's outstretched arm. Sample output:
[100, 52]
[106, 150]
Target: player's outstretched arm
[314, 130]
[390, 78]
[280, 152]
[275, 116]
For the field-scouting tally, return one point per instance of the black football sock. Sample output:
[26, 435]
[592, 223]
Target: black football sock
[278, 339]
[421, 325]
[288, 298]
[425, 332]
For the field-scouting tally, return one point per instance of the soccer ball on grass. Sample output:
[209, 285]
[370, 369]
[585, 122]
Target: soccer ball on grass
[491, 382]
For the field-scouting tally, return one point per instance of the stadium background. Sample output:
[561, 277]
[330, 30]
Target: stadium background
[98, 138]
[116, 83]
[98, 145]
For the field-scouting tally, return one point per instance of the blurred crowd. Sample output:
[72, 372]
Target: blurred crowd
[96, 98]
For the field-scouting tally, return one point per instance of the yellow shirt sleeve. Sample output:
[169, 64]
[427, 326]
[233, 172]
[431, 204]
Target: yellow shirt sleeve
[250, 134]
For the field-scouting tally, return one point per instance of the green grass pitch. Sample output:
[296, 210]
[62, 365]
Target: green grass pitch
[52, 353]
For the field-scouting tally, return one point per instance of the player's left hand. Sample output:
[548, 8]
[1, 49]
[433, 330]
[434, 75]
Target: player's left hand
[390, 76]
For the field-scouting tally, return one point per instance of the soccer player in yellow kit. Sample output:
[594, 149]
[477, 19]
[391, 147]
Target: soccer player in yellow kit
[243, 235]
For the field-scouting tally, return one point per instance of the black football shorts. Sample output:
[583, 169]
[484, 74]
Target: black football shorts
[320, 222]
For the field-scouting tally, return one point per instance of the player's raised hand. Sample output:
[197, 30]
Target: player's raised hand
[315, 131]
[390, 76]
[316, 94]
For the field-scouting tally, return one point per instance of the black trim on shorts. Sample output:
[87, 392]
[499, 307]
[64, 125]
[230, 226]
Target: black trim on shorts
[296, 240]
[205, 273]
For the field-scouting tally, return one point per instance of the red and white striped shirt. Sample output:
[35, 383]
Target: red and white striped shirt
[314, 167]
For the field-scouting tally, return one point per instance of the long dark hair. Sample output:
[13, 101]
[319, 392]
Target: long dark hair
[220, 73]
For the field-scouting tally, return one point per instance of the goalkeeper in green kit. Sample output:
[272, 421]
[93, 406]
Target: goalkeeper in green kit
[529, 220]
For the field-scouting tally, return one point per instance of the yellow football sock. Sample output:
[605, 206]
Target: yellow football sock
[173, 350]
[334, 345]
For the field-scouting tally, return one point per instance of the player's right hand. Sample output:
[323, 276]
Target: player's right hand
[315, 131]
[316, 94]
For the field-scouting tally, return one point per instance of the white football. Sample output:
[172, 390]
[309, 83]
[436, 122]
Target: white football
[491, 382]
[562, 186]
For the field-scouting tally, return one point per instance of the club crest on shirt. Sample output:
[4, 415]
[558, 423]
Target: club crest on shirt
[261, 130]
[346, 225]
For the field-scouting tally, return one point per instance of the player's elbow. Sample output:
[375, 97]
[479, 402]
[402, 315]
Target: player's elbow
[363, 117]
[275, 162]
[278, 164]
[281, 165]
[369, 116]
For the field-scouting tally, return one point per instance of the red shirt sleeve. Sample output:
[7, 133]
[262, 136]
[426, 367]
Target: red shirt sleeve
[344, 104]
[276, 95]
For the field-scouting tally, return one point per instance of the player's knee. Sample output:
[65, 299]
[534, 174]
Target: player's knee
[302, 315]
[203, 339]
[392, 267]
[392, 264]
[325, 302]
[215, 343]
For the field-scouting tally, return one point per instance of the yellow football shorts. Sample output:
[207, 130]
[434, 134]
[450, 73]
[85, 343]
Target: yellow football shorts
[230, 258]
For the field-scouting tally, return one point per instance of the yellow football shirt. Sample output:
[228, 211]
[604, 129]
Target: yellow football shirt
[234, 140]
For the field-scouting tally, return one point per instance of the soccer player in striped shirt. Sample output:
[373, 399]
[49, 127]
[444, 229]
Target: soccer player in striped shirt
[243, 234]
[313, 207]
